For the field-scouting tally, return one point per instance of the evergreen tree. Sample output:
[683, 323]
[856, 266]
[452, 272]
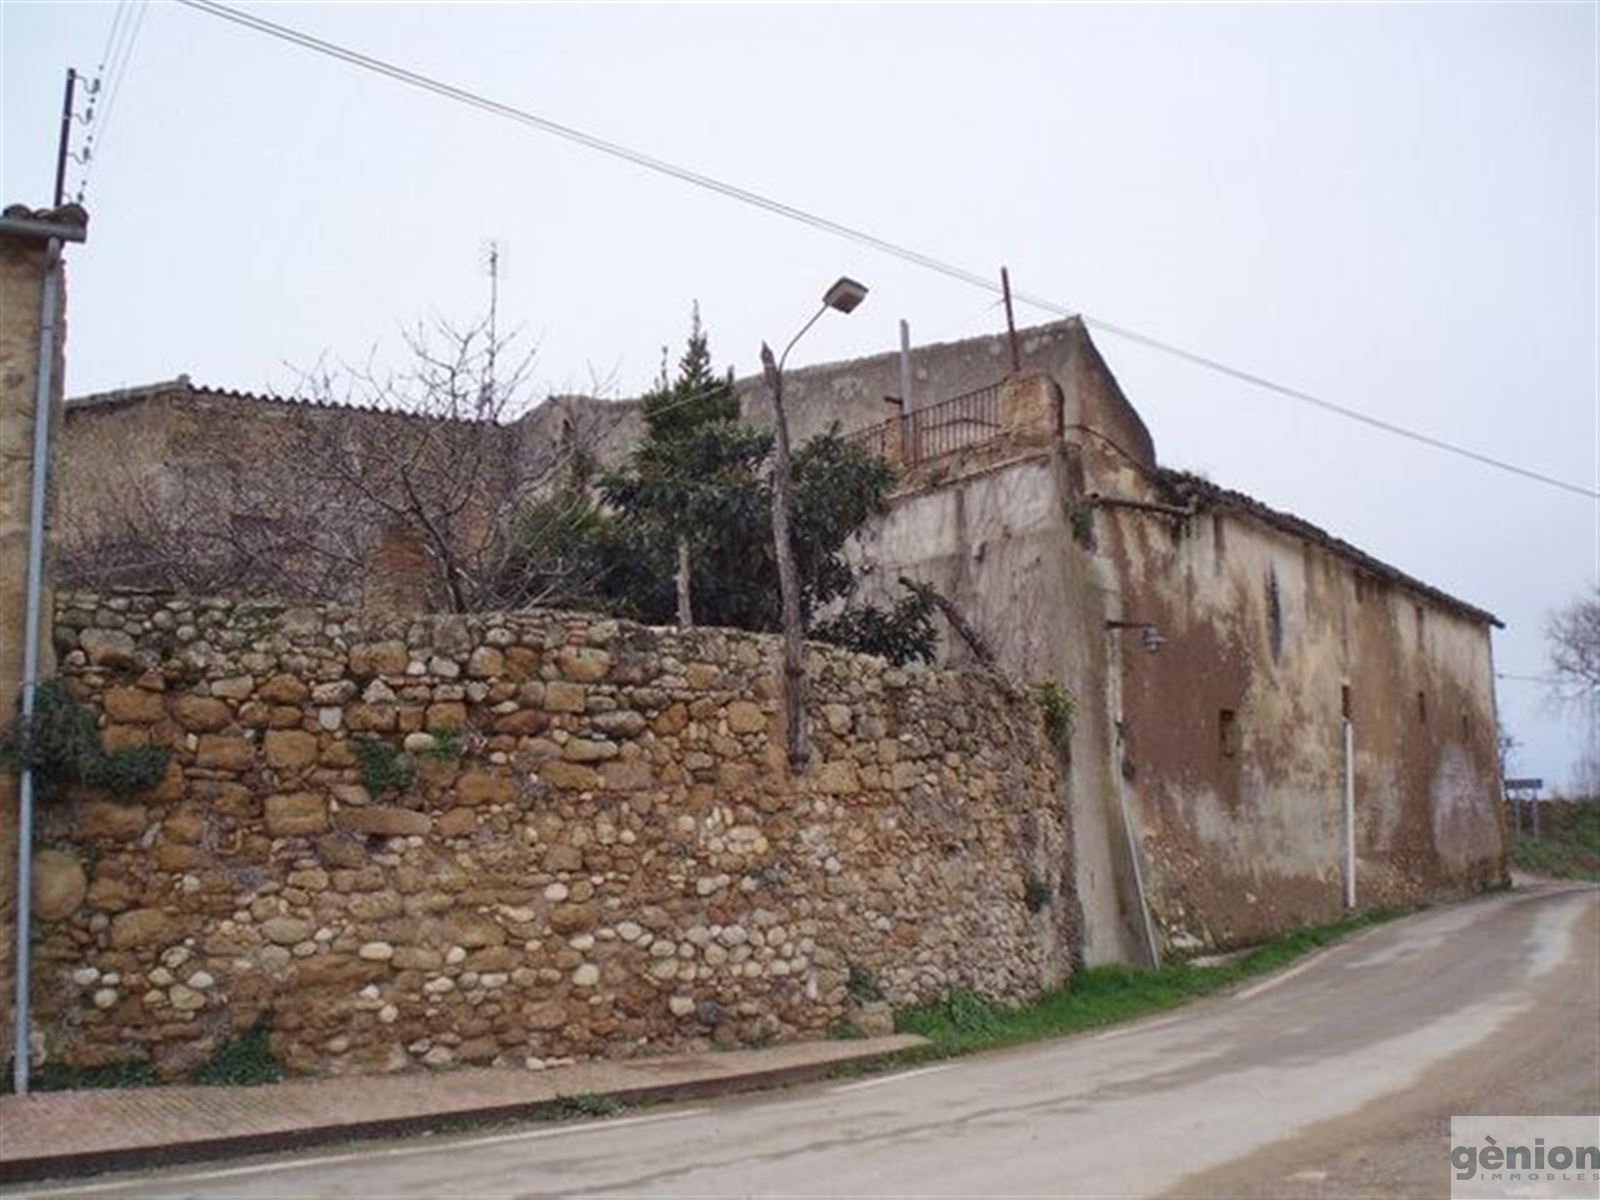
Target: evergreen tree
[697, 494]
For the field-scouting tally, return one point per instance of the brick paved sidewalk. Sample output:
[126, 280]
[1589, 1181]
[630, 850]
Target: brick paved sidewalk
[60, 1133]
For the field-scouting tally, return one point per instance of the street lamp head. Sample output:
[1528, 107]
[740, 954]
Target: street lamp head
[844, 295]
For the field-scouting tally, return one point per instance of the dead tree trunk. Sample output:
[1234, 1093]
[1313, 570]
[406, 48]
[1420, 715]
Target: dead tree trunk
[794, 678]
[685, 601]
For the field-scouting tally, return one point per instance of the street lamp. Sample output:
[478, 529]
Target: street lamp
[844, 296]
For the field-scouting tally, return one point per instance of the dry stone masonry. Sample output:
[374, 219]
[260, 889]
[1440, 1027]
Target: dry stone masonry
[585, 841]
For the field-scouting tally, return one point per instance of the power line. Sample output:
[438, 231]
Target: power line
[107, 85]
[838, 229]
[1551, 680]
[1329, 406]
[121, 70]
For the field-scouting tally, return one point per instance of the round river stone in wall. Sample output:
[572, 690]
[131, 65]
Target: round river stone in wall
[59, 885]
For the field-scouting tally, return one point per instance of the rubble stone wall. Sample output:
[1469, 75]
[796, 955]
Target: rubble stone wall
[590, 844]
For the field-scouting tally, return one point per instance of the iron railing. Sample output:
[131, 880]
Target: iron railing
[955, 424]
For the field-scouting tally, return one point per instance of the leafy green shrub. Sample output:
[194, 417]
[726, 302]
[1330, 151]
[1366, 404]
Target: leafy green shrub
[1058, 707]
[902, 634]
[244, 1061]
[60, 743]
[382, 768]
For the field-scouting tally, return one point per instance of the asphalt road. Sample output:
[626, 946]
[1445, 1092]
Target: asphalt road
[1337, 1077]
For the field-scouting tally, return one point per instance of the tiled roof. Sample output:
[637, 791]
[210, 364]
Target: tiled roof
[190, 390]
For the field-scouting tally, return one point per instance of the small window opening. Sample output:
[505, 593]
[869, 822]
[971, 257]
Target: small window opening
[1422, 708]
[1228, 733]
[1274, 616]
[1344, 702]
[1219, 541]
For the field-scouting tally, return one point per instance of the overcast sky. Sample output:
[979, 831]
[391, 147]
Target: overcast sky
[1393, 206]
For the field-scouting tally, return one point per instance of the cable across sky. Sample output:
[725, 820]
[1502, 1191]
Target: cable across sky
[929, 262]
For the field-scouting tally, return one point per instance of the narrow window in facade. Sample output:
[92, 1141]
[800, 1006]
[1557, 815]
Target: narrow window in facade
[1274, 616]
[1228, 733]
[1344, 702]
[1422, 708]
[1219, 542]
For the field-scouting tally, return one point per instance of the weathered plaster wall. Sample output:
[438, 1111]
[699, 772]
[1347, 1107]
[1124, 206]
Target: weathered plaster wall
[997, 542]
[1265, 622]
[852, 393]
[1242, 827]
[616, 861]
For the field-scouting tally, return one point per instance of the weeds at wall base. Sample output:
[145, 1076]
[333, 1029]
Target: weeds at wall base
[244, 1061]
[964, 1023]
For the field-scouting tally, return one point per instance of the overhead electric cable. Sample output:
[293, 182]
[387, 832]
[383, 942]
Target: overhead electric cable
[120, 71]
[838, 229]
[107, 85]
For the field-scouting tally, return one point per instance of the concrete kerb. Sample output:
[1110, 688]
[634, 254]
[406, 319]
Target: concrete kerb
[60, 1163]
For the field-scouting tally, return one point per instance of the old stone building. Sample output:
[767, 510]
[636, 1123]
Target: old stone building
[598, 845]
[1208, 777]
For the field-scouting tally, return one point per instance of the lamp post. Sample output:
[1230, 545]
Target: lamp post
[843, 297]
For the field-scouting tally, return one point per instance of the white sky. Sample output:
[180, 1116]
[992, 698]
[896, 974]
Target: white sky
[1393, 206]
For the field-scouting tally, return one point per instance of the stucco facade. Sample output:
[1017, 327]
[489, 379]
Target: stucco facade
[1215, 648]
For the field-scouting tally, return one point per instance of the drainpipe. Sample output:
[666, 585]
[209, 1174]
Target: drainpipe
[49, 293]
[1114, 717]
[1349, 814]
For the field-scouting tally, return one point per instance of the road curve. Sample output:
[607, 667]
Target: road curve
[1337, 1077]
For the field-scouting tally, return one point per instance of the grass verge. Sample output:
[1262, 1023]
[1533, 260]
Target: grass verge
[1569, 850]
[964, 1023]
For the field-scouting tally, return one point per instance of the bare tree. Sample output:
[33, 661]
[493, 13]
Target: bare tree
[1573, 634]
[409, 487]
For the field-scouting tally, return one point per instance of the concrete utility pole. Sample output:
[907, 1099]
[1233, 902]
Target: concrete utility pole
[843, 297]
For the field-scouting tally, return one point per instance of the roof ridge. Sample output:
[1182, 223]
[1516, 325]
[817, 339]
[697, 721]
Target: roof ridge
[184, 383]
[1196, 485]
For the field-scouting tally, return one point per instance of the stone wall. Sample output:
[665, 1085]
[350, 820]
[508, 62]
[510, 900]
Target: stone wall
[600, 852]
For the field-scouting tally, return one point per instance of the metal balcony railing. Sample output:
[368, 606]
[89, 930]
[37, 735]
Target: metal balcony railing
[925, 433]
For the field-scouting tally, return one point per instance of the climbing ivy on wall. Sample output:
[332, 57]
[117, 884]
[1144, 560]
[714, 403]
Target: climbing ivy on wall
[60, 742]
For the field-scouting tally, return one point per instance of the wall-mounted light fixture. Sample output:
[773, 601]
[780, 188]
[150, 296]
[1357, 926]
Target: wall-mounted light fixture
[1151, 636]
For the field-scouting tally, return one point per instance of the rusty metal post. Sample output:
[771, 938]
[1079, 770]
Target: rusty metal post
[1011, 321]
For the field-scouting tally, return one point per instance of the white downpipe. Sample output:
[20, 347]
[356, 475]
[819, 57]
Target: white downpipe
[1349, 814]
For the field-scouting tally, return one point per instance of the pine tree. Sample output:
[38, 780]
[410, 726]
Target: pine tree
[694, 451]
